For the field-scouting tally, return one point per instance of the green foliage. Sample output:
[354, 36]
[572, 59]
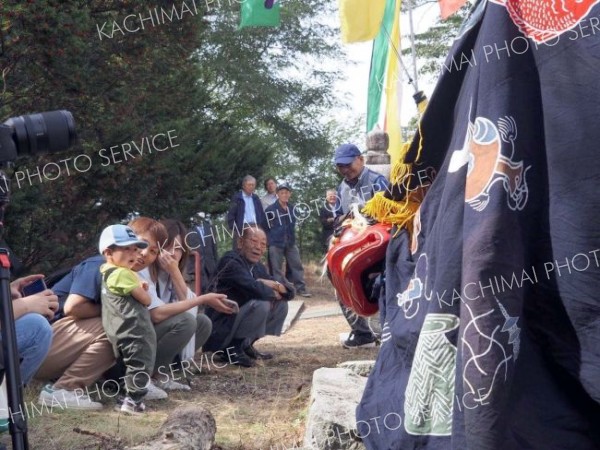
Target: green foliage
[310, 178]
[238, 102]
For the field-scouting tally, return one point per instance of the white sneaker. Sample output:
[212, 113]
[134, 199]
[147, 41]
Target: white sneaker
[172, 385]
[155, 393]
[52, 397]
[129, 407]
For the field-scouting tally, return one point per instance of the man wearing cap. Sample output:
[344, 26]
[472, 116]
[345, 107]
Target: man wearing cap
[281, 223]
[359, 183]
[358, 186]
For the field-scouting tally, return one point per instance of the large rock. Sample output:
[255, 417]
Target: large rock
[186, 428]
[331, 423]
[362, 368]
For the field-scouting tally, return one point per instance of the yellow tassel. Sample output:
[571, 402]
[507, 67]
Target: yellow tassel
[400, 169]
[399, 213]
[391, 212]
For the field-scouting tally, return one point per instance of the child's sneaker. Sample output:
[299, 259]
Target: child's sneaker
[128, 406]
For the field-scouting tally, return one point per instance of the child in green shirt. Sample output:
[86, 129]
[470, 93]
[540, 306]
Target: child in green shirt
[125, 316]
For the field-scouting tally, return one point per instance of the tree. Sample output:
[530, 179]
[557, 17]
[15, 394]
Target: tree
[235, 101]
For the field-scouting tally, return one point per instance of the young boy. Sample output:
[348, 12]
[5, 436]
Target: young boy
[125, 316]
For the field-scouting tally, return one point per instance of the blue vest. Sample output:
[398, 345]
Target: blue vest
[368, 183]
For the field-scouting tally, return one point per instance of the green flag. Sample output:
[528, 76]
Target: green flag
[378, 62]
[259, 13]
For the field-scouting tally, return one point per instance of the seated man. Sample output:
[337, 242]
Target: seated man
[33, 331]
[261, 300]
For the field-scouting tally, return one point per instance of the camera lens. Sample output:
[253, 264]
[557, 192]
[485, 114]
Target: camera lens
[43, 132]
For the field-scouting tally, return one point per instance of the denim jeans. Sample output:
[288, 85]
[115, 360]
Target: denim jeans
[34, 336]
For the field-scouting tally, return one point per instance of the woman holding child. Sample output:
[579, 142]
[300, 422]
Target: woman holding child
[174, 309]
[80, 351]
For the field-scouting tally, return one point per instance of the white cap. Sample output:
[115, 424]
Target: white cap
[121, 236]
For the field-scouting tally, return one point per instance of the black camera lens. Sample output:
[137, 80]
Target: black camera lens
[51, 131]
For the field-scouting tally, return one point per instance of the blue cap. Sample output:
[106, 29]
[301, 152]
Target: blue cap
[346, 153]
[121, 236]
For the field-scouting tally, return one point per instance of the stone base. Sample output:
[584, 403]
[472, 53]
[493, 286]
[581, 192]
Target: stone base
[360, 368]
[331, 423]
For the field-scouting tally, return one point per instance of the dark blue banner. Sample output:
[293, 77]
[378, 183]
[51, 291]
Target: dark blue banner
[491, 333]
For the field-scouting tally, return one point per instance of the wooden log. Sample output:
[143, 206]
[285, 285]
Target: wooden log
[186, 428]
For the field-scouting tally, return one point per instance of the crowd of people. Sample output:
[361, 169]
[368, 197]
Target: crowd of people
[127, 313]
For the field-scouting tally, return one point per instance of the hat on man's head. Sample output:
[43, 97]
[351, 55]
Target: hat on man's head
[121, 236]
[284, 186]
[346, 153]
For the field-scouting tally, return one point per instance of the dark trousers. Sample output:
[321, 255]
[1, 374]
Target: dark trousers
[358, 324]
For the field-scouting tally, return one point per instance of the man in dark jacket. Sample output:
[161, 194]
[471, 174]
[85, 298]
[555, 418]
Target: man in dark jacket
[245, 208]
[281, 217]
[262, 301]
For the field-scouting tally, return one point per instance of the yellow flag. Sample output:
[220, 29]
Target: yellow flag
[360, 19]
[393, 89]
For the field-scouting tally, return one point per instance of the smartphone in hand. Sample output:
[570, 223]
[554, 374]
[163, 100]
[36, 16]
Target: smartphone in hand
[34, 288]
[233, 304]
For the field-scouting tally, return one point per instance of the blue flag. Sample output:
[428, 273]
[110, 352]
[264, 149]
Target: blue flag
[491, 315]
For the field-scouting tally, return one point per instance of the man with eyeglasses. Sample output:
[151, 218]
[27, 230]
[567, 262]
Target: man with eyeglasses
[358, 186]
[359, 183]
[262, 301]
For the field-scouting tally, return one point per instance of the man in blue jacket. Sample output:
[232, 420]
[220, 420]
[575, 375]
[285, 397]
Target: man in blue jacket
[281, 218]
[245, 209]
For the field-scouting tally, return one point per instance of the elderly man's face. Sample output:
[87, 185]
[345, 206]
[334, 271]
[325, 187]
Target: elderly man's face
[351, 171]
[331, 197]
[249, 186]
[253, 245]
[284, 195]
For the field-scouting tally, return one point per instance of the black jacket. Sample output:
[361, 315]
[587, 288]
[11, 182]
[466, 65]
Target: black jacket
[236, 278]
